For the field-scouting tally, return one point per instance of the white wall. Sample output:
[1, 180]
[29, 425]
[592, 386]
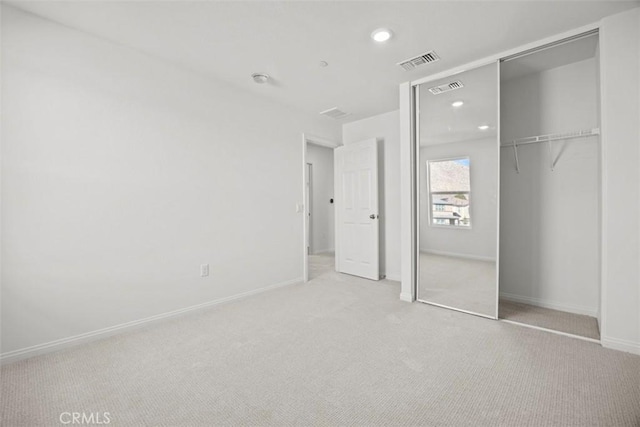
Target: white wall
[620, 94]
[479, 241]
[550, 239]
[386, 128]
[121, 174]
[556, 100]
[322, 211]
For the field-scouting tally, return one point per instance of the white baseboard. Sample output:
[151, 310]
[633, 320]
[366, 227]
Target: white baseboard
[456, 255]
[393, 276]
[550, 304]
[49, 347]
[323, 251]
[622, 345]
[406, 297]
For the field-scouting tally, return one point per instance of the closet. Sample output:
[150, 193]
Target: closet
[508, 183]
[550, 187]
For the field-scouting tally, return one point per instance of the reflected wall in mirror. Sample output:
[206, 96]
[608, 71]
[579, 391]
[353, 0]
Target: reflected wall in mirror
[458, 181]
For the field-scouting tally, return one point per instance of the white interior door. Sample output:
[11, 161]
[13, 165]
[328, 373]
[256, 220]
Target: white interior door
[356, 188]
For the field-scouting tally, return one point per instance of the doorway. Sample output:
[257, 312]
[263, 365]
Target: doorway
[550, 188]
[318, 208]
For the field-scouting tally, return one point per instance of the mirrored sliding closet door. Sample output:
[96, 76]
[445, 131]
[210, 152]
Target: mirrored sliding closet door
[458, 158]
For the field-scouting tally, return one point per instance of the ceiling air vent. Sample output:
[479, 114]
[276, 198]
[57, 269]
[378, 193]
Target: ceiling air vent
[425, 58]
[334, 113]
[437, 90]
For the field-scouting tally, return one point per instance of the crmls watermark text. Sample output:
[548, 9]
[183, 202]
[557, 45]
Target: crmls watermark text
[83, 418]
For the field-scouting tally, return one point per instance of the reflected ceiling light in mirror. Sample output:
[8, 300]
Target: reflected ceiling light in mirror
[457, 104]
[381, 35]
[483, 127]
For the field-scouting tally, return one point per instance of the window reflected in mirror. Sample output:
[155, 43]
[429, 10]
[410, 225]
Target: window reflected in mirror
[450, 192]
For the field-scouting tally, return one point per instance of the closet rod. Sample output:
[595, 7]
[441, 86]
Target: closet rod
[551, 137]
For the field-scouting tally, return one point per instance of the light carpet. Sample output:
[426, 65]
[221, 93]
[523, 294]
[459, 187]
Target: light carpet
[337, 351]
[320, 264]
[577, 324]
[465, 284]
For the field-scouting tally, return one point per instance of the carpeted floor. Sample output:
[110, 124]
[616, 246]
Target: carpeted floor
[585, 326]
[460, 283]
[336, 351]
[320, 264]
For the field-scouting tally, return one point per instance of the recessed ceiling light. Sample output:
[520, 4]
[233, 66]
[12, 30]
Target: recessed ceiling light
[483, 127]
[457, 104]
[381, 35]
[260, 78]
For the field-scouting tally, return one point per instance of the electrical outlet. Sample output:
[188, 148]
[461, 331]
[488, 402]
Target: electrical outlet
[204, 270]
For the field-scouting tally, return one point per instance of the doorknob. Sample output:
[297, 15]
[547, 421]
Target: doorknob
[372, 216]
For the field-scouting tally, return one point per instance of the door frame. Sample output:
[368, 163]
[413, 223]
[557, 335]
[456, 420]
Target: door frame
[307, 201]
[322, 142]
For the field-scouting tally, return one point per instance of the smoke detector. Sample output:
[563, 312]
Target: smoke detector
[260, 78]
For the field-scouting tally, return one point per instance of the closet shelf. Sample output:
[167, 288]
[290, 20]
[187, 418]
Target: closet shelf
[551, 137]
[546, 138]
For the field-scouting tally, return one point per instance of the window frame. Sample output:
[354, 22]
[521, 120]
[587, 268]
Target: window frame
[430, 195]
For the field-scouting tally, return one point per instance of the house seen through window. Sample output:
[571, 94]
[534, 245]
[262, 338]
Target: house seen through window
[449, 192]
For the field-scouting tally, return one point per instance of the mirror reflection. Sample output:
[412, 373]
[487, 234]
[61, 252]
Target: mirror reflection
[458, 191]
[449, 192]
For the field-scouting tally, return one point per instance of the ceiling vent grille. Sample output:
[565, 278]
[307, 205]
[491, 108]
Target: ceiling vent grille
[334, 113]
[437, 90]
[415, 62]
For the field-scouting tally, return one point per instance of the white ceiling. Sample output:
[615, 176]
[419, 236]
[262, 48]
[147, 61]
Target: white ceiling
[442, 123]
[231, 40]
